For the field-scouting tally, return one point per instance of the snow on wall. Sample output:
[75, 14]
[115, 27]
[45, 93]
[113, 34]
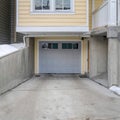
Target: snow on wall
[6, 49]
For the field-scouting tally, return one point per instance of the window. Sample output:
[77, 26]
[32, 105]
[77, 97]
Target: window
[66, 45]
[62, 4]
[49, 45]
[69, 45]
[52, 6]
[75, 45]
[53, 45]
[44, 45]
[42, 4]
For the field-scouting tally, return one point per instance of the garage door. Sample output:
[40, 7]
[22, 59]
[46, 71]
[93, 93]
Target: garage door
[60, 57]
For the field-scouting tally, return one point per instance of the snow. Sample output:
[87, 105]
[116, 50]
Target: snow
[115, 89]
[18, 46]
[6, 49]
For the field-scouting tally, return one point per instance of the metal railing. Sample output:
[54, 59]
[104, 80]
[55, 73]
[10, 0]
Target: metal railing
[108, 14]
[118, 9]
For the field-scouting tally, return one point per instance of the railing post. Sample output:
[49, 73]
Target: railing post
[119, 12]
[112, 13]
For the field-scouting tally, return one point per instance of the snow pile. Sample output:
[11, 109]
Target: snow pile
[6, 49]
[18, 45]
[115, 89]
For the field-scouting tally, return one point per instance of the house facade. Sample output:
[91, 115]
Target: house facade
[72, 36]
[57, 27]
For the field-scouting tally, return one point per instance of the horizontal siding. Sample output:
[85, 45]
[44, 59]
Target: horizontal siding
[13, 21]
[27, 19]
[4, 21]
[90, 14]
[97, 3]
[8, 23]
[19, 37]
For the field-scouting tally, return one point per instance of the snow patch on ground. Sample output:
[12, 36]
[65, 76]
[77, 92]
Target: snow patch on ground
[6, 49]
[115, 89]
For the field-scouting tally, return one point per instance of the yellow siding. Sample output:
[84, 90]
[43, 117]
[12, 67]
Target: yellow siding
[26, 18]
[97, 3]
[83, 54]
[90, 14]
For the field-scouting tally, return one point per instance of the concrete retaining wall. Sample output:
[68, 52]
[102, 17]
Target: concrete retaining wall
[16, 68]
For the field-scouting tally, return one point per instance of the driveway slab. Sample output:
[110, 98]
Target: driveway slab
[59, 97]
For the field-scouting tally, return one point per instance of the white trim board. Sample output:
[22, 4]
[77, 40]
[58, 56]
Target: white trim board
[52, 29]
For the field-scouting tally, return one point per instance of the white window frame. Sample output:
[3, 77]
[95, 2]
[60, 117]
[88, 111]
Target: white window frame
[63, 9]
[43, 10]
[52, 8]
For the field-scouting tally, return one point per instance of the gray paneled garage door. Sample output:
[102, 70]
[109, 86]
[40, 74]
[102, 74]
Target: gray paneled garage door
[60, 57]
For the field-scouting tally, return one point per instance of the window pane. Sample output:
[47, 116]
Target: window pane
[55, 45]
[58, 4]
[42, 4]
[66, 4]
[66, 45]
[69, 45]
[46, 4]
[49, 45]
[75, 46]
[38, 4]
[44, 45]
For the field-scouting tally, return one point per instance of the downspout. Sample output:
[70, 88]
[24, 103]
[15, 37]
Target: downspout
[24, 40]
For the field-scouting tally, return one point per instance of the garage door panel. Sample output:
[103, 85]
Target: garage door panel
[59, 60]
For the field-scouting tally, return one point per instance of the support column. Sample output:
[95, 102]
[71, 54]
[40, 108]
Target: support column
[93, 57]
[113, 61]
[119, 59]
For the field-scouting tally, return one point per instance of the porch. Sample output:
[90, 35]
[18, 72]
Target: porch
[108, 14]
[104, 43]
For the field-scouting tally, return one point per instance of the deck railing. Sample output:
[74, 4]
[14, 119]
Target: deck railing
[108, 14]
[119, 12]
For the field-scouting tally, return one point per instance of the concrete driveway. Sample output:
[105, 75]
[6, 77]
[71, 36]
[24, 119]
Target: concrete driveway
[53, 97]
